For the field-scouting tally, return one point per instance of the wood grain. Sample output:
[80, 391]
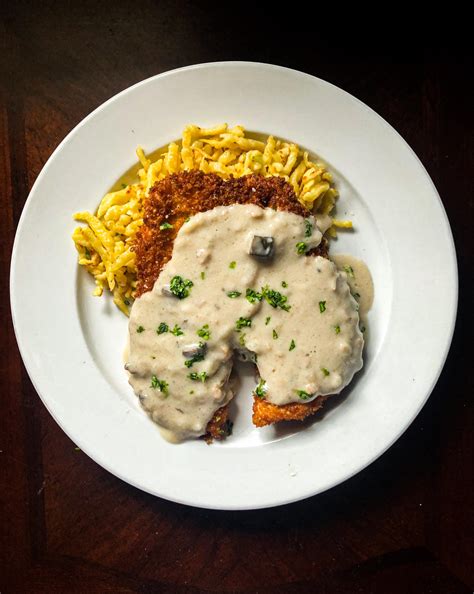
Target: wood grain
[402, 525]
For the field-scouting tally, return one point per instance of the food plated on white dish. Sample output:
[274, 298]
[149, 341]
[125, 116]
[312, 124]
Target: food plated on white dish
[209, 238]
[73, 344]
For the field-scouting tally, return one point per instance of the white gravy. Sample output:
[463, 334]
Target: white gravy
[310, 346]
[359, 280]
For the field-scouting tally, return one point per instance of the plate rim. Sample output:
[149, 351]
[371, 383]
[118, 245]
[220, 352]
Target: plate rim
[454, 293]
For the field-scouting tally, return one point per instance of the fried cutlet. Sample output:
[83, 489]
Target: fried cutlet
[176, 198]
[266, 413]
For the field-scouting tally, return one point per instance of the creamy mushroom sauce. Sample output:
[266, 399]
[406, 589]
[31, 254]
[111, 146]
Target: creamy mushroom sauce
[309, 344]
[359, 280]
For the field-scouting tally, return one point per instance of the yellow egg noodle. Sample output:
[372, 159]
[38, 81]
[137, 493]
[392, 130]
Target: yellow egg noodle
[104, 243]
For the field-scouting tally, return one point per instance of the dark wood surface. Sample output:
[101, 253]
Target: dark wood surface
[402, 525]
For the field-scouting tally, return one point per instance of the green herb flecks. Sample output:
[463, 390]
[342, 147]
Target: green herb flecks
[337, 329]
[162, 328]
[234, 294]
[322, 306]
[203, 275]
[349, 270]
[292, 345]
[303, 395]
[261, 389]
[177, 331]
[204, 332]
[267, 320]
[308, 228]
[325, 371]
[275, 298]
[242, 339]
[180, 287]
[165, 226]
[160, 384]
[274, 334]
[198, 376]
[140, 329]
[243, 323]
[88, 254]
[252, 296]
[232, 265]
[301, 247]
[123, 186]
[284, 284]
[199, 357]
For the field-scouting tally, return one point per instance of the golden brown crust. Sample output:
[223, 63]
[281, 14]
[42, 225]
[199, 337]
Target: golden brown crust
[181, 195]
[219, 427]
[266, 413]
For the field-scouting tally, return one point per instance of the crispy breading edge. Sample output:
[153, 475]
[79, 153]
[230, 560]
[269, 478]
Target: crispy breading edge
[266, 413]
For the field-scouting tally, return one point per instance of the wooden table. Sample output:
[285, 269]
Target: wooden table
[402, 525]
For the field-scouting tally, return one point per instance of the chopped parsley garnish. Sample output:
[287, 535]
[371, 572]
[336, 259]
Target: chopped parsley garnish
[160, 384]
[303, 395]
[284, 284]
[204, 332]
[251, 295]
[242, 339]
[187, 219]
[123, 186]
[191, 391]
[349, 270]
[301, 247]
[275, 299]
[337, 329]
[243, 323]
[267, 320]
[198, 357]
[140, 329]
[325, 371]
[309, 228]
[233, 265]
[162, 328]
[180, 286]
[177, 331]
[322, 306]
[88, 254]
[292, 345]
[198, 376]
[165, 226]
[260, 389]
[234, 294]
[274, 333]
[203, 275]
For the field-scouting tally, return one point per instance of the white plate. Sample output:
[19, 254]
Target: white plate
[72, 343]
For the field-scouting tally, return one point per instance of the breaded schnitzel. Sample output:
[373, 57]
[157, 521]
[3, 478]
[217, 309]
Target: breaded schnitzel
[171, 201]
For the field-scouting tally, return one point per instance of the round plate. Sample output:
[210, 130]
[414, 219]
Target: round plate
[72, 343]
